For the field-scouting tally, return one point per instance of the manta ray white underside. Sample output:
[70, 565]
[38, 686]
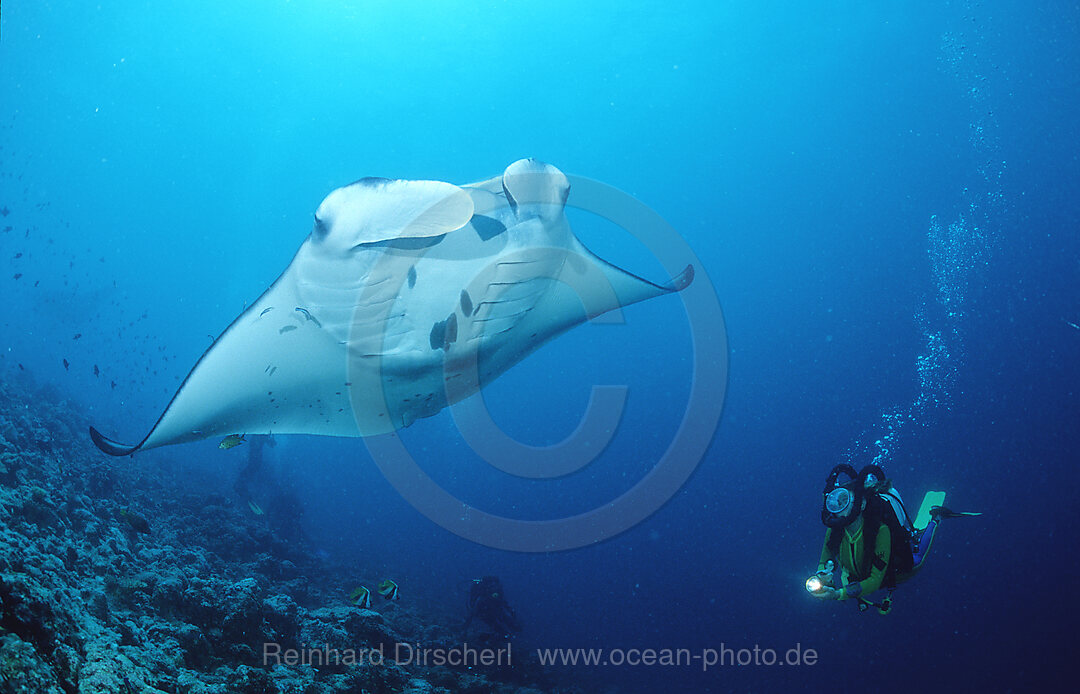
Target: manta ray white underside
[406, 297]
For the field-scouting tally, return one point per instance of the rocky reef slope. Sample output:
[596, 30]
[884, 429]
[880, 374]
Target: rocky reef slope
[89, 604]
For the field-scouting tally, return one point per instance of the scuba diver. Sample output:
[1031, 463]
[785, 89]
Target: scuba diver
[871, 542]
[487, 602]
[254, 474]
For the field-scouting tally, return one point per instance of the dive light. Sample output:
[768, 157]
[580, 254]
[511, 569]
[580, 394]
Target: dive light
[821, 580]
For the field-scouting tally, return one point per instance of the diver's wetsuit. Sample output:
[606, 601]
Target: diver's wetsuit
[865, 574]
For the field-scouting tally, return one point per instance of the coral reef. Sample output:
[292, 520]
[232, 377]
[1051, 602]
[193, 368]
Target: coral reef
[209, 601]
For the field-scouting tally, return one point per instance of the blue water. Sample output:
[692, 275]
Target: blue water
[884, 199]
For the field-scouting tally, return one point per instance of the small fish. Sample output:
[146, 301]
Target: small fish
[388, 589]
[66, 364]
[137, 522]
[231, 441]
[18, 275]
[310, 317]
[8, 228]
[255, 508]
[97, 371]
[18, 255]
[1072, 324]
[77, 336]
[361, 597]
[266, 311]
[4, 212]
[112, 384]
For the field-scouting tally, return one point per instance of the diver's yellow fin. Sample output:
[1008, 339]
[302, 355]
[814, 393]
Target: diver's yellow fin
[929, 501]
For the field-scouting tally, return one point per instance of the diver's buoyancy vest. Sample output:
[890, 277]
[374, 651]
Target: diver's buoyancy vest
[884, 508]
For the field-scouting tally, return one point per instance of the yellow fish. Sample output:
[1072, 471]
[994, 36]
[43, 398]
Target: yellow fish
[231, 441]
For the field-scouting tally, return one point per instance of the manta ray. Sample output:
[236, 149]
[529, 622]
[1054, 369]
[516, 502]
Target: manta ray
[406, 297]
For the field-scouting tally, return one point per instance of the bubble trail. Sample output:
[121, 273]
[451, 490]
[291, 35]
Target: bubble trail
[957, 251]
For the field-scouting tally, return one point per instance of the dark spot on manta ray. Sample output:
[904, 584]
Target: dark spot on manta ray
[466, 303]
[444, 332]
[412, 277]
[437, 335]
[286, 329]
[451, 329]
[487, 228]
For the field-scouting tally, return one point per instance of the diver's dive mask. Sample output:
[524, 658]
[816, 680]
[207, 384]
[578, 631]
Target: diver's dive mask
[842, 500]
[839, 501]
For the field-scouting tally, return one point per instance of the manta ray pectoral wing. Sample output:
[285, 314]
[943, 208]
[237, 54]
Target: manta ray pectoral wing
[597, 286]
[111, 447]
[629, 289]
